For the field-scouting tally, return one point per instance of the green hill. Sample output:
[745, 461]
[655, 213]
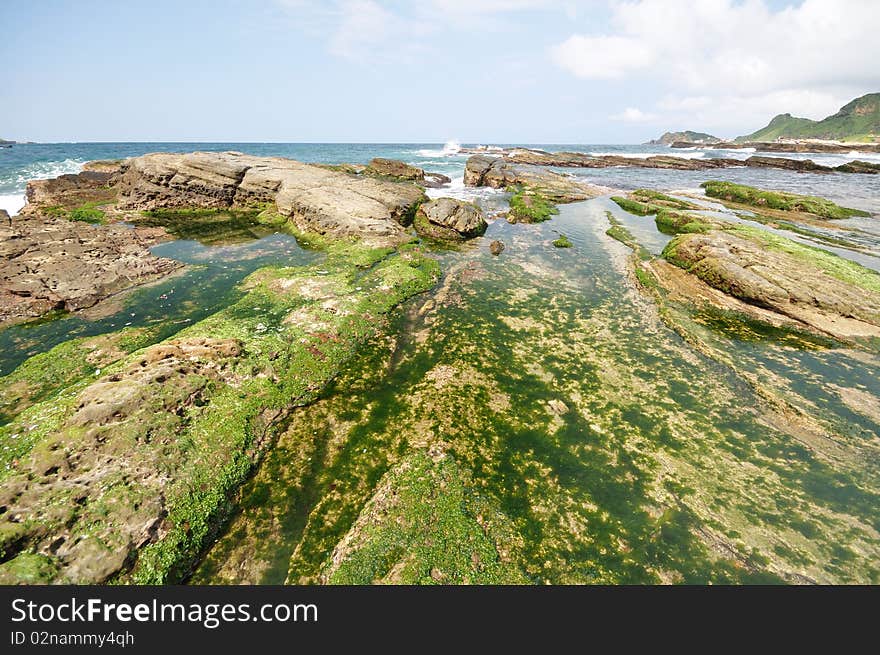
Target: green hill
[687, 136]
[858, 120]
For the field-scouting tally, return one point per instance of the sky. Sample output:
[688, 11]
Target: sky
[475, 71]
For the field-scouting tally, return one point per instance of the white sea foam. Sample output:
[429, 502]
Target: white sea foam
[12, 203]
[450, 149]
[457, 189]
[16, 182]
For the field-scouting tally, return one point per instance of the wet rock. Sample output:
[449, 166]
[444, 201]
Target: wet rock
[449, 219]
[68, 191]
[583, 160]
[557, 407]
[314, 198]
[54, 263]
[858, 166]
[799, 165]
[395, 168]
[496, 247]
[436, 180]
[97, 490]
[781, 277]
[104, 166]
[793, 146]
[498, 173]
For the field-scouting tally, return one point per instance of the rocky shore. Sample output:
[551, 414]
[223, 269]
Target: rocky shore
[123, 461]
[124, 454]
[581, 160]
[766, 276]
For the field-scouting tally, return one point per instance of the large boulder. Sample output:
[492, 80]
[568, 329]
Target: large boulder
[498, 173]
[314, 198]
[449, 219]
[396, 169]
[818, 290]
[69, 191]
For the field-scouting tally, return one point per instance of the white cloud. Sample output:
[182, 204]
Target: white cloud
[633, 115]
[601, 57]
[487, 6]
[736, 61]
[364, 32]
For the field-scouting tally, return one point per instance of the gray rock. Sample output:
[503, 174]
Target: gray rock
[450, 219]
[436, 180]
[498, 173]
[746, 269]
[315, 199]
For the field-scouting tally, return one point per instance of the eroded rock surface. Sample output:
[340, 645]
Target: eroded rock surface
[314, 198]
[743, 265]
[395, 168]
[584, 160]
[108, 465]
[53, 263]
[450, 219]
[498, 173]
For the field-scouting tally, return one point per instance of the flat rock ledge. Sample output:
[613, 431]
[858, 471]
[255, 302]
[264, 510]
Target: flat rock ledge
[499, 173]
[56, 264]
[313, 198]
[584, 160]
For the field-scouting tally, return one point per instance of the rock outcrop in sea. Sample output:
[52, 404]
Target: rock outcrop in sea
[449, 219]
[583, 160]
[312, 198]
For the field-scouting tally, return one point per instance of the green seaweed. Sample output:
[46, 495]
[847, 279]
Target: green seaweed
[779, 200]
[562, 242]
[530, 206]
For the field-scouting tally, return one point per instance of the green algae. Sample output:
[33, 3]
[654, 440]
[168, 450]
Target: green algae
[779, 200]
[613, 452]
[634, 206]
[834, 265]
[562, 242]
[645, 202]
[211, 226]
[222, 425]
[661, 199]
[425, 525]
[47, 373]
[535, 392]
[88, 212]
[619, 232]
[530, 206]
[676, 222]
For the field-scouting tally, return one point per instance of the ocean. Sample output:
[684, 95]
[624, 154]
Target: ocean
[25, 162]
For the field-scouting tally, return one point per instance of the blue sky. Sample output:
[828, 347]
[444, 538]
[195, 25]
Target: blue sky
[539, 71]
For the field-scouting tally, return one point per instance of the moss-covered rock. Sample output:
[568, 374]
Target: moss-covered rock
[562, 242]
[426, 524]
[779, 200]
[448, 219]
[125, 475]
[530, 206]
[825, 292]
[678, 222]
[644, 202]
